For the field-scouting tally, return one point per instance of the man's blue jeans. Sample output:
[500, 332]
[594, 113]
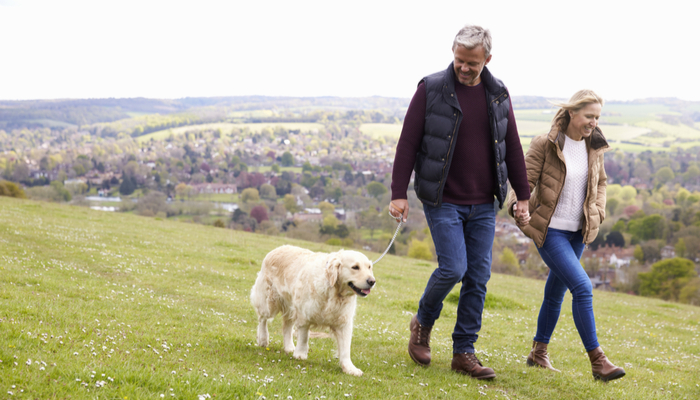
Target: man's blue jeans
[463, 237]
[561, 252]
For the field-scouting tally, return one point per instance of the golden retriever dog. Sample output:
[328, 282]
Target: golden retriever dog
[311, 289]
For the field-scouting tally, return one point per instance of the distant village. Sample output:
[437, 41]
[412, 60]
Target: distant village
[333, 185]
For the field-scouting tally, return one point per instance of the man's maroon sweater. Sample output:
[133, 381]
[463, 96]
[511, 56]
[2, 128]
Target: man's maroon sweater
[470, 179]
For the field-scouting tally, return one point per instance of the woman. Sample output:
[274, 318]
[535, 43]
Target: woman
[565, 169]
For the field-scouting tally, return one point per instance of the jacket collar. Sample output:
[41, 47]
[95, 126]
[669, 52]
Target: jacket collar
[596, 141]
[450, 77]
[492, 84]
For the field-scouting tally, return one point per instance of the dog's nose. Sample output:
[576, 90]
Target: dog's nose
[371, 282]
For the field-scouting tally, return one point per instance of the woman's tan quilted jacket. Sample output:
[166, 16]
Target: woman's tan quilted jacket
[546, 171]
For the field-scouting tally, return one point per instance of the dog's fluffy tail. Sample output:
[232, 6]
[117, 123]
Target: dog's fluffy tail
[260, 294]
[264, 304]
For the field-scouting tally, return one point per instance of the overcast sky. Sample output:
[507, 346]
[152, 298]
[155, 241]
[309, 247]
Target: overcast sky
[624, 50]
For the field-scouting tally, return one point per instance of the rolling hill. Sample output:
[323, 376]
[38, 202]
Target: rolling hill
[108, 305]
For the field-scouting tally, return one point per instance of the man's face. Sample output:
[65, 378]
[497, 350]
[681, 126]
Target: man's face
[469, 63]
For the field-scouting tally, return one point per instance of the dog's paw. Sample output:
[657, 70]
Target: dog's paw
[352, 370]
[301, 356]
[263, 342]
[289, 350]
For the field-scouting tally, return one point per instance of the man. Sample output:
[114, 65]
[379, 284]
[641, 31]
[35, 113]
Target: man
[460, 137]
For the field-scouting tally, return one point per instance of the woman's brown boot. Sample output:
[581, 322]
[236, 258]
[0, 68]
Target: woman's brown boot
[539, 357]
[603, 369]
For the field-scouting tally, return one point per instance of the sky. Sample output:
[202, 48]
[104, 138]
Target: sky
[624, 50]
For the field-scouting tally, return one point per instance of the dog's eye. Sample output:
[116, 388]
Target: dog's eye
[355, 267]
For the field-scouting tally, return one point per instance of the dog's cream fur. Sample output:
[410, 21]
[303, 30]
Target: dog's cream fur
[311, 289]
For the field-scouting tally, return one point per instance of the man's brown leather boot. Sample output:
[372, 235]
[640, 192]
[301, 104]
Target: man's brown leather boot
[468, 364]
[539, 357]
[603, 369]
[419, 344]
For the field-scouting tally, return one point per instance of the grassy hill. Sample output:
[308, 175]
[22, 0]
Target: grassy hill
[114, 306]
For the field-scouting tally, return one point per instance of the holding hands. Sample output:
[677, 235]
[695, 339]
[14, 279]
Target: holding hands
[521, 213]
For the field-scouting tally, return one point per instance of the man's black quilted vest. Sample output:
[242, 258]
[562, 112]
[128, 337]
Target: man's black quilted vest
[442, 118]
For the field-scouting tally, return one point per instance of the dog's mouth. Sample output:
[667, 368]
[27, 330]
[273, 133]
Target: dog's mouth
[360, 292]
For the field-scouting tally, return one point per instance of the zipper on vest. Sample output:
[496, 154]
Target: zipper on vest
[442, 179]
[504, 94]
[493, 134]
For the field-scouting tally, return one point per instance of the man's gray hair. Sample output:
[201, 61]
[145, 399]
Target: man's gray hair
[472, 36]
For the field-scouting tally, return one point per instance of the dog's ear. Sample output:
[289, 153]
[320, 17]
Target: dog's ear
[333, 269]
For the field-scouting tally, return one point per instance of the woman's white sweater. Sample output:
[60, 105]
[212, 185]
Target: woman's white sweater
[568, 216]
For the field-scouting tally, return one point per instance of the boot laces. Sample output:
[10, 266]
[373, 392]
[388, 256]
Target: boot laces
[423, 335]
[471, 358]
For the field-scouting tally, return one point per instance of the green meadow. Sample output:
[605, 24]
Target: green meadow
[98, 305]
[227, 128]
[628, 127]
[376, 131]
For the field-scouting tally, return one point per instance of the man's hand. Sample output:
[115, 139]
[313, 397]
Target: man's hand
[521, 212]
[399, 209]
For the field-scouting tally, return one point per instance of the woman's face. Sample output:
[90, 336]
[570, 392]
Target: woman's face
[584, 121]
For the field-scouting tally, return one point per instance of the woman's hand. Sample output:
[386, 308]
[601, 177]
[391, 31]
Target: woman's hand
[522, 215]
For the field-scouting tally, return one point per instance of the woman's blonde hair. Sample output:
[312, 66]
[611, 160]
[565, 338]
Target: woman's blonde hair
[579, 100]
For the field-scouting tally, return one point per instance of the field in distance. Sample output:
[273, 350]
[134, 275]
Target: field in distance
[227, 128]
[630, 127]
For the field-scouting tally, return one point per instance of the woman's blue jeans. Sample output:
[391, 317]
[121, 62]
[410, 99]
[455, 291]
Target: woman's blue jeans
[463, 237]
[562, 253]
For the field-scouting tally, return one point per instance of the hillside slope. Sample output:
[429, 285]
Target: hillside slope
[106, 305]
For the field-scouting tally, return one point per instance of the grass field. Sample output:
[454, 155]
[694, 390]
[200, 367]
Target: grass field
[97, 305]
[135, 114]
[51, 123]
[218, 197]
[227, 127]
[542, 115]
[629, 127]
[252, 114]
[615, 134]
[623, 132]
[632, 113]
[680, 131]
[527, 128]
[381, 130]
[266, 168]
